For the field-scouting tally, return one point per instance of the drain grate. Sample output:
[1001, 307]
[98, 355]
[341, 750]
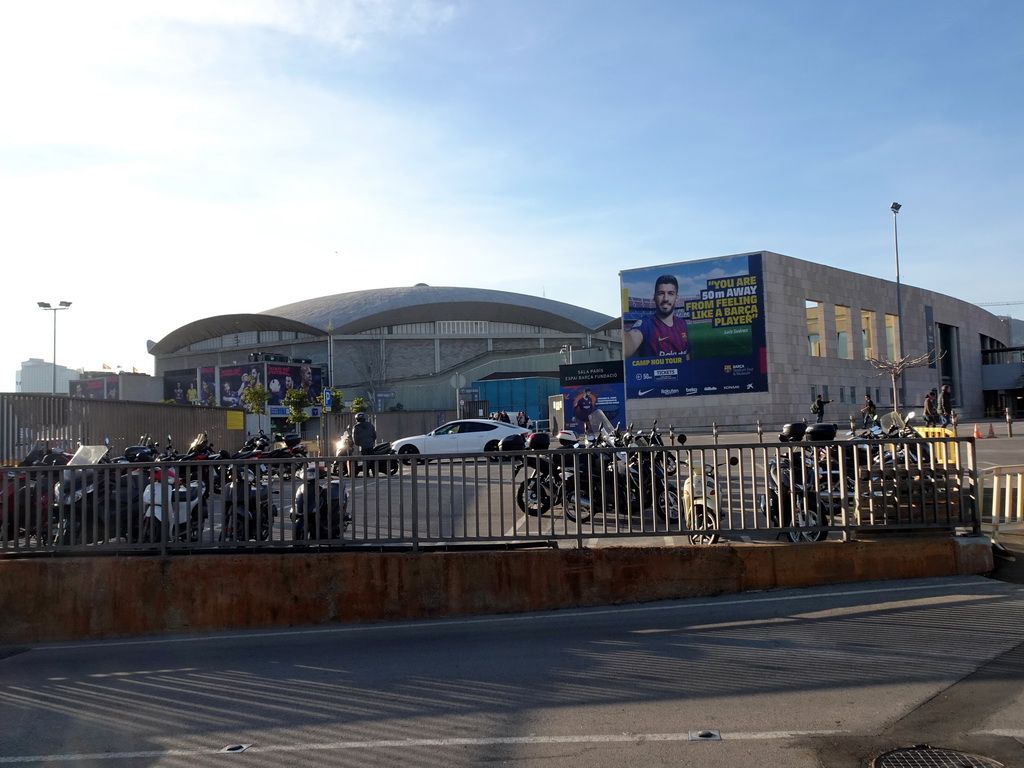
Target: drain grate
[923, 756]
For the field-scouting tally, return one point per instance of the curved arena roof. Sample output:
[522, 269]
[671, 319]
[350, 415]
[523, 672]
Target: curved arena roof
[357, 311]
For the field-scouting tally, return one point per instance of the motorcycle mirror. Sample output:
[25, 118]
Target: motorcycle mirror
[681, 439]
[733, 461]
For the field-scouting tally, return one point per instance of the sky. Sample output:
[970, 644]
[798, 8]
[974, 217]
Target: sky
[162, 162]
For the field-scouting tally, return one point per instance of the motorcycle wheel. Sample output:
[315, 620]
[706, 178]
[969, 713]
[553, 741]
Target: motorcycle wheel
[532, 497]
[809, 517]
[704, 523]
[667, 506]
[234, 528]
[577, 508]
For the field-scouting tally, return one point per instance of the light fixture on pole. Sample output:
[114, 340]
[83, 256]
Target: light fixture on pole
[55, 310]
[895, 208]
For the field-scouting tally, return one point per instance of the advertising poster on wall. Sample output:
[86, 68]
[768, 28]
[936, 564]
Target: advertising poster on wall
[281, 378]
[694, 328]
[593, 396]
[208, 385]
[100, 388]
[178, 385]
[230, 384]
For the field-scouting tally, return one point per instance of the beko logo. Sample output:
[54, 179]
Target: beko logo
[692, 390]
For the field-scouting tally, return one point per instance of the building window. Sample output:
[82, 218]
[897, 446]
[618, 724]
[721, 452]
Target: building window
[812, 310]
[844, 347]
[867, 333]
[891, 334]
[842, 394]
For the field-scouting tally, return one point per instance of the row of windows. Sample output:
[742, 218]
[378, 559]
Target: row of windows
[247, 339]
[847, 324]
[458, 328]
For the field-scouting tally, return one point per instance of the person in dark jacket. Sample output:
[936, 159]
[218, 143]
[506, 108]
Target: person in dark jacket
[946, 405]
[364, 434]
[819, 403]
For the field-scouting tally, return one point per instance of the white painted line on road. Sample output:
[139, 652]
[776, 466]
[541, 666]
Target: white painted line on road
[612, 738]
[682, 604]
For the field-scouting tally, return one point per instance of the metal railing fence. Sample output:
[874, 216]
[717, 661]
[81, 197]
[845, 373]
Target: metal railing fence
[1001, 490]
[752, 492]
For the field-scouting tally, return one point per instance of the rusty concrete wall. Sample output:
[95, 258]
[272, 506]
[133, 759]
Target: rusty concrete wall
[77, 598]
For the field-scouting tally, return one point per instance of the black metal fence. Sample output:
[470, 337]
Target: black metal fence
[749, 492]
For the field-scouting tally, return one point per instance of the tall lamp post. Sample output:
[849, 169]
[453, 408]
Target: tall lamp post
[895, 208]
[55, 310]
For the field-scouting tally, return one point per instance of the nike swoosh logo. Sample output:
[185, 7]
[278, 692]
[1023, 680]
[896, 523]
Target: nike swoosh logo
[642, 392]
[663, 338]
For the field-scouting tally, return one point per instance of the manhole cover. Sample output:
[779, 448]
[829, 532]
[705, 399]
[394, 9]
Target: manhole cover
[932, 757]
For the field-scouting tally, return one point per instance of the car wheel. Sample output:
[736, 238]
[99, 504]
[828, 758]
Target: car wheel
[492, 448]
[408, 451]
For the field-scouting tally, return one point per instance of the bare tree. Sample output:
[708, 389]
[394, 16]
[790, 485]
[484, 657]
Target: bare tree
[895, 368]
[371, 365]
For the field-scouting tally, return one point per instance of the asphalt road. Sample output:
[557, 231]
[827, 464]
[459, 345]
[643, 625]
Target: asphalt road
[830, 676]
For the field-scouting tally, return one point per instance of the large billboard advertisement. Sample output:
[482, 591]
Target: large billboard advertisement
[694, 328]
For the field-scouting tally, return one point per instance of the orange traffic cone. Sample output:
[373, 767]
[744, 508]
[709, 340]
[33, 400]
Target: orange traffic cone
[991, 432]
[977, 432]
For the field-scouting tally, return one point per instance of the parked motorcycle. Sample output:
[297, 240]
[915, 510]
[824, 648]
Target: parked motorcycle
[320, 508]
[83, 512]
[248, 509]
[26, 493]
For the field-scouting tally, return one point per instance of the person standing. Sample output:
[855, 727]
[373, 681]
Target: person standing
[819, 405]
[364, 434]
[946, 405]
[869, 411]
[522, 421]
[931, 413]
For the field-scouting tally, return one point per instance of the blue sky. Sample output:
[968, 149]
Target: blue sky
[163, 162]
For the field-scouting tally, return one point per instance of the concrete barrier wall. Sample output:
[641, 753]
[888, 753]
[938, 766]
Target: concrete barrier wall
[78, 598]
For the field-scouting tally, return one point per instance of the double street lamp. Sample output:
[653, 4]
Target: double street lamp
[55, 310]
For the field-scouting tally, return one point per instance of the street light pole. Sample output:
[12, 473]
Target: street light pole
[55, 310]
[895, 208]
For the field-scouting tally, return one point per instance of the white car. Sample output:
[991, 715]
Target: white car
[462, 436]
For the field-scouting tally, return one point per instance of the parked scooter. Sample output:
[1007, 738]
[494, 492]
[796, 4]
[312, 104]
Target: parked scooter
[320, 509]
[175, 504]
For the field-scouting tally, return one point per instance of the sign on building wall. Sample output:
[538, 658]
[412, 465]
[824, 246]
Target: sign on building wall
[592, 396]
[694, 328]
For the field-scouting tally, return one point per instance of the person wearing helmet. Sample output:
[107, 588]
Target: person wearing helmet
[364, 435]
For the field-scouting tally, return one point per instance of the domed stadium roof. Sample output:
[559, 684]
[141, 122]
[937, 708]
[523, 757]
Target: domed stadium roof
[357, 311]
